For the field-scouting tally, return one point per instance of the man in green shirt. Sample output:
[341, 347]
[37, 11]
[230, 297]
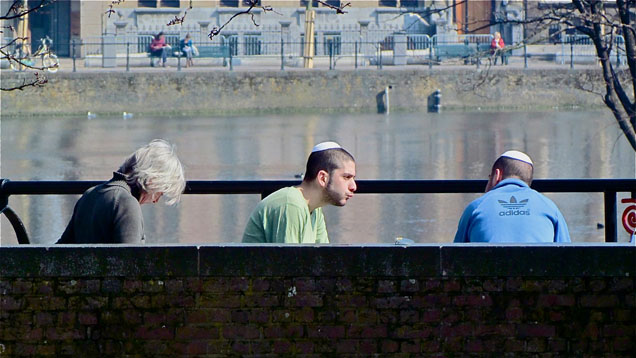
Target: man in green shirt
[294, 214]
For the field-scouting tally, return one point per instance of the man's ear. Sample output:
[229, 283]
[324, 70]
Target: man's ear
[497, 175]
[322, 178]
[494, 178]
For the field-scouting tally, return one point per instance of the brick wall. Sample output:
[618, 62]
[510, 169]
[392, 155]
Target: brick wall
[335, 301]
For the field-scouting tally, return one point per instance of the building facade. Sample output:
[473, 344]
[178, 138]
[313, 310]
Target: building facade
[364, 21]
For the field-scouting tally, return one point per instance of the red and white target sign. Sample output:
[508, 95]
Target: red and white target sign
[629, 216]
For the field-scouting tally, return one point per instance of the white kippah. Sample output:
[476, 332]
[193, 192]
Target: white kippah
[324, 146]
[517, 155]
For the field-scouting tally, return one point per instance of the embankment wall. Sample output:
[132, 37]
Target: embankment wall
[224, 92]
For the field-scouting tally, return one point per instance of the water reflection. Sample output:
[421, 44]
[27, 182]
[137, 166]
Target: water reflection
[400, 146]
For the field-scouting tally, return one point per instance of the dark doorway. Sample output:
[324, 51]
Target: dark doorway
[54, 21]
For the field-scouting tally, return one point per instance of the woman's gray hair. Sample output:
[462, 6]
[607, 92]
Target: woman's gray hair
[155, 168]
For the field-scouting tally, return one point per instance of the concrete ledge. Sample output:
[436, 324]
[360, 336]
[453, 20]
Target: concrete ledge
[615, 260]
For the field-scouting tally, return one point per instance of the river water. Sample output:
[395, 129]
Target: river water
[399, 146]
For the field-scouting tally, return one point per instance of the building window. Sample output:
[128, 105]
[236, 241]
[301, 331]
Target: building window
[230, 3]
[232, 42]
[388, 3]
[147, 3]
[252, 44]
[409, 3]
[302, 44]
[335, 3]
[303, 3]
[332, 44]
[170, 3]
[387, 43]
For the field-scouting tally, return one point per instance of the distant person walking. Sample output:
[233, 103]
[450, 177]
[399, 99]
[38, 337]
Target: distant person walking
[293, 215]
[110, 213]
[511, 212]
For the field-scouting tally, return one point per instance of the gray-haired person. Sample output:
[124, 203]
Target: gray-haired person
[111, 212]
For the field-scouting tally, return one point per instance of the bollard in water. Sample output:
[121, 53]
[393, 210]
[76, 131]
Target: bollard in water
[435, 102]
[387, 98]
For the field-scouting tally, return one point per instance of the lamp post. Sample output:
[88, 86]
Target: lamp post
[308, 52]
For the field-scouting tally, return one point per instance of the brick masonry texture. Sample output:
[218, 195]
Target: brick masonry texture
[332, 301]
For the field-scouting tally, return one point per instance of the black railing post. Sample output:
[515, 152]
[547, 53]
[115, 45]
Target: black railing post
[430, 55]
[282, 55]
[380, 57]
[231, 62]
[14, 219]
[525, 55]
[178, 60]
[610, 216]
[356, 55]
[331, 55]
[73, 52]
[128, 56]
[572, 53]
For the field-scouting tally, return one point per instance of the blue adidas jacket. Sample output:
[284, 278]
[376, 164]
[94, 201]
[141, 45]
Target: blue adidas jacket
[512, 213]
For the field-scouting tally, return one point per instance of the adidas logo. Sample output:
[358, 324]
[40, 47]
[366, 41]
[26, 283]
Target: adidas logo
[514, 207]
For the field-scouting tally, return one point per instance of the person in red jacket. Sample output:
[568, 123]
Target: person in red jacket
[497, 49]
[159, 48]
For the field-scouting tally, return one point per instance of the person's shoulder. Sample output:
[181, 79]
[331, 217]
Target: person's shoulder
[546, 201]
[284, 197]
[118, 191]
[288, 193]
[476, 203]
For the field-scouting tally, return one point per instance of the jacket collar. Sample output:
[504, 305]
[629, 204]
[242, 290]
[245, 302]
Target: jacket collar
[511, 181]
[119, 179]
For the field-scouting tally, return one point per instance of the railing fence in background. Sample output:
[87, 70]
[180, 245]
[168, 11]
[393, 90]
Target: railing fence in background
[332, 48]
[609, 188]
[580, 48]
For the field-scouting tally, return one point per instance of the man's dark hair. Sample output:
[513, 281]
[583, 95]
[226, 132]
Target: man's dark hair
[513, 168]
[327, 160]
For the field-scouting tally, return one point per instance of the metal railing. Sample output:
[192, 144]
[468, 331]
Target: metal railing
[580, 48]
[609, 188]
[345, 49]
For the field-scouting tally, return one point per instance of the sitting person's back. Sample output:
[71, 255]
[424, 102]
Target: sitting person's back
[110, 213]
[510, 211]
[107, 213]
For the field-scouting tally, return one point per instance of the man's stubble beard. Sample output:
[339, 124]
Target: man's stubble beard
[332, 197]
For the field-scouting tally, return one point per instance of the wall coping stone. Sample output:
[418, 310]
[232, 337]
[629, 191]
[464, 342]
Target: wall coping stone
[237, 260]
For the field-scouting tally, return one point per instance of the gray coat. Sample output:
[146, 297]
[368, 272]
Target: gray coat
[106, 214]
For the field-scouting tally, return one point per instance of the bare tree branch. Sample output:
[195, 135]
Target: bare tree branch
[252, 4]
[339, 9]
[19, 9]
[180, 19]
[38, 81]
[111, 6]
